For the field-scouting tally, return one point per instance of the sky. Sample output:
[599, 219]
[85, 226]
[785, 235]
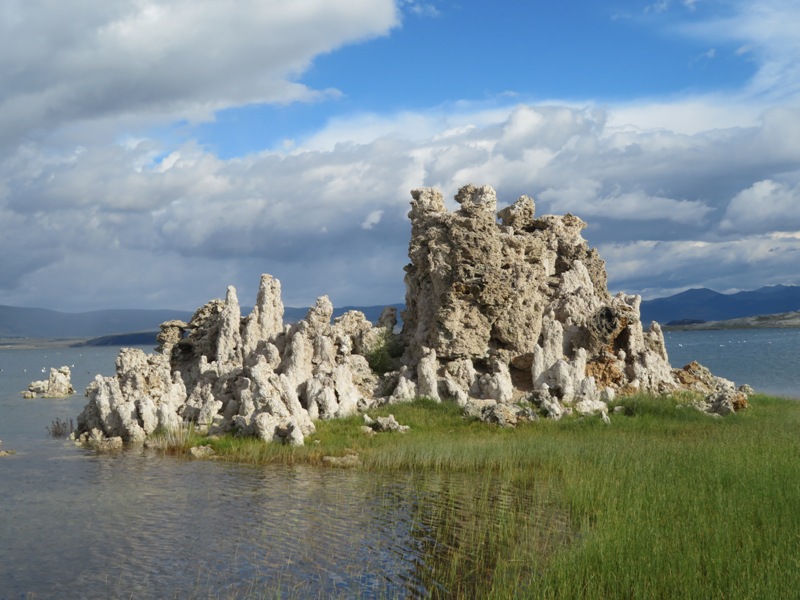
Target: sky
[152, 152]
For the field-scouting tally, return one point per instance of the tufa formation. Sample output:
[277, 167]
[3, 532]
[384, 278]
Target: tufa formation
[57, 385]
[509, 318]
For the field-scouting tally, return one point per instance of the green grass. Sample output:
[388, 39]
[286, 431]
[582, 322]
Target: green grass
[664, 502]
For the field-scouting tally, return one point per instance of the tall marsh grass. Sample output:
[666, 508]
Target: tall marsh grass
[664, 502]
[59, 428]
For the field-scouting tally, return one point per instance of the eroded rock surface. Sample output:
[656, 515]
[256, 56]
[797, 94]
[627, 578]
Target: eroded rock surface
[57, 385]
[497, 312]
[520, 309]
[228, 373]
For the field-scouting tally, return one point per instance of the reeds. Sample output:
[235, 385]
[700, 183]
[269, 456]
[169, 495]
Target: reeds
[59, 428]
[176, 440]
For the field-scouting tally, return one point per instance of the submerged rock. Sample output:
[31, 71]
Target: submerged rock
[202, 452]
[496, 313]
[4, 453]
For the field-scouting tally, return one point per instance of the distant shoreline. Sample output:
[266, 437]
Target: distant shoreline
[787, 320]
[37, 343]
[122, 340]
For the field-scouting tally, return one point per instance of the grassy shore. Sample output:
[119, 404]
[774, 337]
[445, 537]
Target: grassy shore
[664, 502]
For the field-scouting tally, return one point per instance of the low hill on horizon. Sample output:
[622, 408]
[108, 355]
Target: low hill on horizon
[18, 322]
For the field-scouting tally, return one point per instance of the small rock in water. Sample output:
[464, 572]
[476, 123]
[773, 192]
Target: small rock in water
[346, 462]
[202, 452]
[58, 385]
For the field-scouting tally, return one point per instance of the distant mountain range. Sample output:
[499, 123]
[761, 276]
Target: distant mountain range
[691, 306]
[700, 305]
[16, 322]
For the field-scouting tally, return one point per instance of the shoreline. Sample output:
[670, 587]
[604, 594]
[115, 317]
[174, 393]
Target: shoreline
[788, 320]
[38, 343]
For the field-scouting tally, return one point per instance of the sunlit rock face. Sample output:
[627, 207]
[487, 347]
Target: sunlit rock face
[228, 373]
[512, 304]
[500, 307]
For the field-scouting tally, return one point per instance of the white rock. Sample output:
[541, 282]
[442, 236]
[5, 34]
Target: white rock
[427, 378]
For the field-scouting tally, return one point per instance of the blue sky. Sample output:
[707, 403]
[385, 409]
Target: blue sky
[497, 54]
[154, 151]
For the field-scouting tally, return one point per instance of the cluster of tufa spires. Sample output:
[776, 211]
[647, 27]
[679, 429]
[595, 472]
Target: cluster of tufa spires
[501, 308]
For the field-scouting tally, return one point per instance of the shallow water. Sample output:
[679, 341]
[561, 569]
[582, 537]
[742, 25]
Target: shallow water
[75, 524]
[133, 525]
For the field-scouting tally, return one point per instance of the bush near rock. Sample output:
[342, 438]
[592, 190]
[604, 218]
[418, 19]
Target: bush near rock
[496, 313]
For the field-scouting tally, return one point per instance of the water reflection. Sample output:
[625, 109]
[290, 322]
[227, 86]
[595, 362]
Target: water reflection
[139, 525]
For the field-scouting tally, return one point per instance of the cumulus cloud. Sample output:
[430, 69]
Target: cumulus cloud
[663, 268]
[586, 198]
[335, 219]
[164, 59]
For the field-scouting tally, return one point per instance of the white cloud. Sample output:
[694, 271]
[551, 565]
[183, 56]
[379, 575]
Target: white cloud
[586, 198]
[165, 59]
[661, 268]
[765, 205]
[704, 57]
[657, 7]
[426, 9]
[335, 218]
[372, 219]
[688, 115]
[767, 29]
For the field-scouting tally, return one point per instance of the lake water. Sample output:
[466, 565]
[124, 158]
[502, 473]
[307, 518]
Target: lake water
[75, 524]
[766, 359]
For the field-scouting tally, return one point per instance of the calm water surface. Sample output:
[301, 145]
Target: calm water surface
[766, 359]
[74, 524]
